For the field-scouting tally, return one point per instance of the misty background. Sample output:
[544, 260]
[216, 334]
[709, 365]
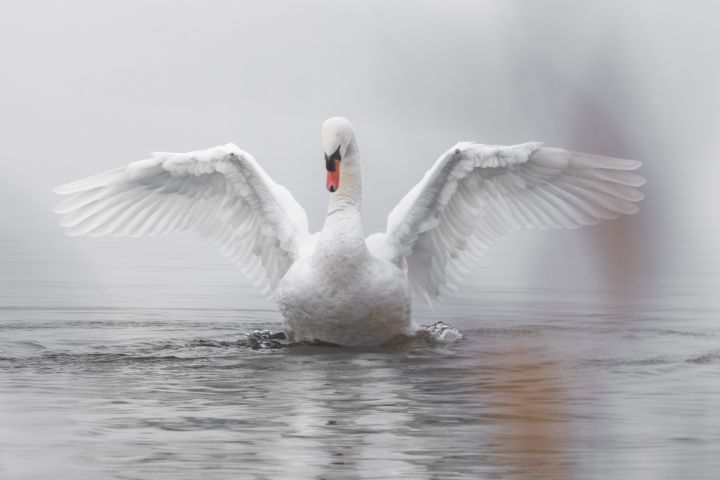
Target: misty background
[590, 353]
[88, 86]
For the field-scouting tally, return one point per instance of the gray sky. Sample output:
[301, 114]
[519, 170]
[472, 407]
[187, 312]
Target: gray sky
[88, 86]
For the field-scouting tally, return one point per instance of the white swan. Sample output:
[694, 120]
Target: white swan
[336, 285]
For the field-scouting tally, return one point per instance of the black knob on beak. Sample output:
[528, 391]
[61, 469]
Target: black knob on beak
[330, 160]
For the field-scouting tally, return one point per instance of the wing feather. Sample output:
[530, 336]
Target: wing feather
[476, 194]
[221, 193]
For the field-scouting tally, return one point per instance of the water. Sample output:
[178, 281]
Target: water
[125, 359]
[165, 393]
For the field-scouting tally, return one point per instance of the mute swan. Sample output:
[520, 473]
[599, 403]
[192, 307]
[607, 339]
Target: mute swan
[336, 285]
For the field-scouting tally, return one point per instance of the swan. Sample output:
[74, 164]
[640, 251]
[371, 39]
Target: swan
[336, 285]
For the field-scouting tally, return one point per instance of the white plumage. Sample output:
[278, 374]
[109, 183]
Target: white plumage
[476, 194]
[220, 193]
[337, 286]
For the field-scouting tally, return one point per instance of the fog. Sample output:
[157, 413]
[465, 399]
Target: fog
[88, 86]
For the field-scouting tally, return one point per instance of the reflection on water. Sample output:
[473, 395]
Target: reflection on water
[160, 393]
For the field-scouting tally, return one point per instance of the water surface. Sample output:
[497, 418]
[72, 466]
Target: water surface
[175, 393]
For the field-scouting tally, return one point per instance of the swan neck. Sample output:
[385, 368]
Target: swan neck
[342, 234]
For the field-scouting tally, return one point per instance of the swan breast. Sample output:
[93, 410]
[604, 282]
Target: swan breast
[366, 303]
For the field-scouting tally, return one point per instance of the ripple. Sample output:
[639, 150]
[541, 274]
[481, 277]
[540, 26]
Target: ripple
[705, 358]
[624, 362]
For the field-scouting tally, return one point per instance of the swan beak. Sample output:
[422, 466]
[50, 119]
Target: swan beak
[333, 177]
[332, 163]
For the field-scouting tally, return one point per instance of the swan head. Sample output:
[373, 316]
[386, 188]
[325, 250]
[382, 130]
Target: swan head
[337, 135]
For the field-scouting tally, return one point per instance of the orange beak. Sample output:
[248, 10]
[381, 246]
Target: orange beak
[333, 177]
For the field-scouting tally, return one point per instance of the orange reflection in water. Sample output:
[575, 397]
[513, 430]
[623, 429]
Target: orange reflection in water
[530, 403]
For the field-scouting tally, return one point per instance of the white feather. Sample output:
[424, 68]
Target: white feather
[476, 194]
[221, 193]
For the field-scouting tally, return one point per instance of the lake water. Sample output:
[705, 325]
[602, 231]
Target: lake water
[125, 359]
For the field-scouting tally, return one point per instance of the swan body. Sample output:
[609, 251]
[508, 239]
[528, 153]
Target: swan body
[337, 285]
[345, 299]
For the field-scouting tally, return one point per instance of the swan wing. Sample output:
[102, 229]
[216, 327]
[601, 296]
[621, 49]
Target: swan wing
[476, 194]
[221, 193]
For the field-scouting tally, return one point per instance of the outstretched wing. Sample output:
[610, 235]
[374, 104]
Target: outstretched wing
[476, 194]
[221, 193]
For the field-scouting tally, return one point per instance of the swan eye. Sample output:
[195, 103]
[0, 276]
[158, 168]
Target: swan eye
[330, 160]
